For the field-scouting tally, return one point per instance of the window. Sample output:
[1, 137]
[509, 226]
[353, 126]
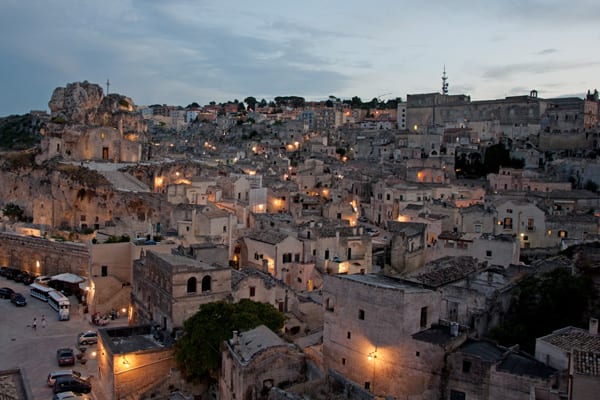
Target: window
[224, 228]
[206, 283]
[327, 254]
[477, 228]
[530, 225]
[466, 366]
[456, 395]
[82, 218]
[562, 234]
[191, 285]
[418, 354]
[339, 216]
[387, 196]
[423, 322]
[368, 385]
[343, 361]
[488, 253]
[508, 223]
[252, 291]
[509, 210]
[349, 335]
[287, 258]
[361, 314]
[297, 257]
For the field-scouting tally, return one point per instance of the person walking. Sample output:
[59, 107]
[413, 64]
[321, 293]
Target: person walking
[34, 324]
[43, 321]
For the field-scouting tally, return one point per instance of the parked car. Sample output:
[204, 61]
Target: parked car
[70, 395]
[28, 279]
[71, 383]
[11, 273]
[52, 376]
[18, 300]
[65, 356]
[89, 337]
[6, 292]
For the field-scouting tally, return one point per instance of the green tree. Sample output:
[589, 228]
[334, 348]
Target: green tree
[251, 101]
[197, 352]
[545, 303]
[496, 156]
[13, 211]
[591, 186]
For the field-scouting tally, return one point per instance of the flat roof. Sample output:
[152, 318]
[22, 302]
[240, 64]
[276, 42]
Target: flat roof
[383, 281]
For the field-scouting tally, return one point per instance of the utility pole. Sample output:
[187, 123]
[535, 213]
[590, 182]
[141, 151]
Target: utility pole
[107, 86]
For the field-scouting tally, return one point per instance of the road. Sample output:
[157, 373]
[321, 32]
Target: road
[34, 350]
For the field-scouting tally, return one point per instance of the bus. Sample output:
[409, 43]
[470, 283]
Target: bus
[60, 303]
[40, 291]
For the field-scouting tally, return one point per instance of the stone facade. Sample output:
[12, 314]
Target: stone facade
[130, 362]
[369, 320]
[42, 256]
[257, 360]
[168, 289]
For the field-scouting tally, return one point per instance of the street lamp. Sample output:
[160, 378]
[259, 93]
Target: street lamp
[372, 356]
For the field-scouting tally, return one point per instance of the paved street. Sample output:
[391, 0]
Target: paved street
[34, 350]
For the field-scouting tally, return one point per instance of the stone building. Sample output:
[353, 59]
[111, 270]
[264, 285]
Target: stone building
[575, 352]
[257, 360]
[368, 333]
[168, 289]
[280, 254]
[131, 363]
[87, 125]
[483, 370]
[336, 248]
[408, 246]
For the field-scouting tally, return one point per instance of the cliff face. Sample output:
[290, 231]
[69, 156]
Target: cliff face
[72, 197]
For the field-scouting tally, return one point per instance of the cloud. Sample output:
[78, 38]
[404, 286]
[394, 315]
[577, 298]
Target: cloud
[546, 52]
[508, 70]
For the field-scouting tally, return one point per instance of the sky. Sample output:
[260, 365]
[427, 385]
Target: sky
[181, 51]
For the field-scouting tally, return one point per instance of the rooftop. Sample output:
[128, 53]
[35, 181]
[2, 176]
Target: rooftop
[571, 338]
[252, 342]
[129, 339]
[383, 281]
[267, 236]
[522, 364]
[484, 350]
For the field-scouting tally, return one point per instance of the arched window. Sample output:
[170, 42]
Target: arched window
[206, 282]
[191, 285]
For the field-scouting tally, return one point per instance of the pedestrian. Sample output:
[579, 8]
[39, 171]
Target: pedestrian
[34, 324]
[43, 321]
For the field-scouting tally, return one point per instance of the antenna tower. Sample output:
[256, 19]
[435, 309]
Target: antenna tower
[444, 82]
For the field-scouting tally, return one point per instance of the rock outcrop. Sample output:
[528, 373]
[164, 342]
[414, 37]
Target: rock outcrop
[84, 103]
[73, 103]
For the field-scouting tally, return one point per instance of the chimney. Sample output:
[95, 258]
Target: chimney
[593, 326]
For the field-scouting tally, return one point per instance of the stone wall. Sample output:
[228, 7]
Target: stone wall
[42, 256]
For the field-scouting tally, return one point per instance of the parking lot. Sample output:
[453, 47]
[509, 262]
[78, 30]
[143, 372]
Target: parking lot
[34, 350]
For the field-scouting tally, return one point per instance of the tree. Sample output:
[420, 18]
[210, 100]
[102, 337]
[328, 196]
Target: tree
[251, 101]
[197, 352]
[545, 303]
[13, 212]
[263, 103]
[496, 156]
[591, 186]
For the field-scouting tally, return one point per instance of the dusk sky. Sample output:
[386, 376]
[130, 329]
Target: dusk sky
[177, 52]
